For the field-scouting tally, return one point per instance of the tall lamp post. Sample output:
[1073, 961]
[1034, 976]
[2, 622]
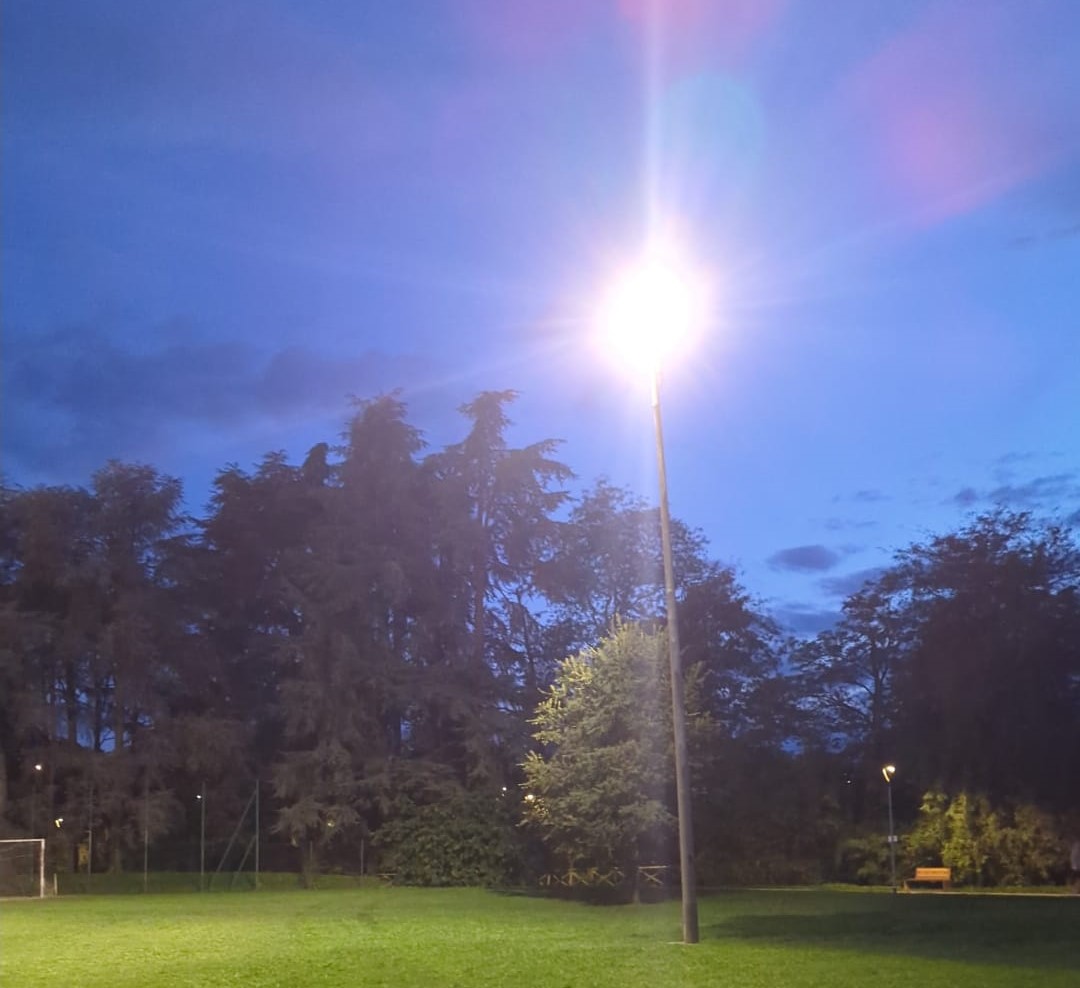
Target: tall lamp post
[678, 693]
[888, 772]
[653, 308]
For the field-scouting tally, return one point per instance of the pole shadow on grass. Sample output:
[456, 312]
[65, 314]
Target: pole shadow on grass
[1012, 932]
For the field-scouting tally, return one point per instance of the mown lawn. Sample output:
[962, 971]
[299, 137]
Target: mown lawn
[472, 938]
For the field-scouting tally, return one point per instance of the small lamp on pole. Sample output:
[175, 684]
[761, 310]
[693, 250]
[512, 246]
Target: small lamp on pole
[888, 772]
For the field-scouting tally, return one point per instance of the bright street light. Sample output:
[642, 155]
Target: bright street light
[654, 310]
[651, 313]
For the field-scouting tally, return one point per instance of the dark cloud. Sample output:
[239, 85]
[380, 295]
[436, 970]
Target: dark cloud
[74, 398]
[804, 619]
[804, 559]
[1047, 493]
[849, 583]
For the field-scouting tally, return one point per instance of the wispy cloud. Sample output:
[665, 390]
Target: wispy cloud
[865, 496]
[1069, 232]
[1041, 492]
[1007, 459]
[1050, 492]
[848, 524]
[870, 496]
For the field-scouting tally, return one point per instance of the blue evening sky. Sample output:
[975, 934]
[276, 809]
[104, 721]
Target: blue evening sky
[221, 218]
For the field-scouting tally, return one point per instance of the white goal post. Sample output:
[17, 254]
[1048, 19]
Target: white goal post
[22, 867]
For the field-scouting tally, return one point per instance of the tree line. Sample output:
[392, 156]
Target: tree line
[447, 659]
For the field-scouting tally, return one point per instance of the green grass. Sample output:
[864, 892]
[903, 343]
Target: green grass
[157, 882]
[471, 938]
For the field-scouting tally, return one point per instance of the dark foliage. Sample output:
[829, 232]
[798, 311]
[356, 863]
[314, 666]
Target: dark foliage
[370, 632]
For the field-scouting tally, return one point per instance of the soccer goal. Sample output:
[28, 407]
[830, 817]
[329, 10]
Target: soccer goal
[22, 867]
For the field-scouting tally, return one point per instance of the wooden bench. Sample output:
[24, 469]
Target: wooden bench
[942, 875]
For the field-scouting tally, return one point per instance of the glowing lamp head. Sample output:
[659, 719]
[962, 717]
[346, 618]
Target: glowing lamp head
[653, 310]
[888, 771]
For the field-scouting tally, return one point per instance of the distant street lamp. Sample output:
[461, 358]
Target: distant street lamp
[649, 313]
[201, 797]
[34, 800]
[888, 772]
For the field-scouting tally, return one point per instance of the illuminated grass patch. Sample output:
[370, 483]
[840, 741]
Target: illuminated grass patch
[471, 938]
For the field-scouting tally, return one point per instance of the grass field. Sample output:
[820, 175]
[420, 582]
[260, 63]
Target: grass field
[472, 938]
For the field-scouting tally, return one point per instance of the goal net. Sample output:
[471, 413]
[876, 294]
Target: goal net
[22, 867]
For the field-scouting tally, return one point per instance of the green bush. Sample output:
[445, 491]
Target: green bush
[465, 839]
[986, 845]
